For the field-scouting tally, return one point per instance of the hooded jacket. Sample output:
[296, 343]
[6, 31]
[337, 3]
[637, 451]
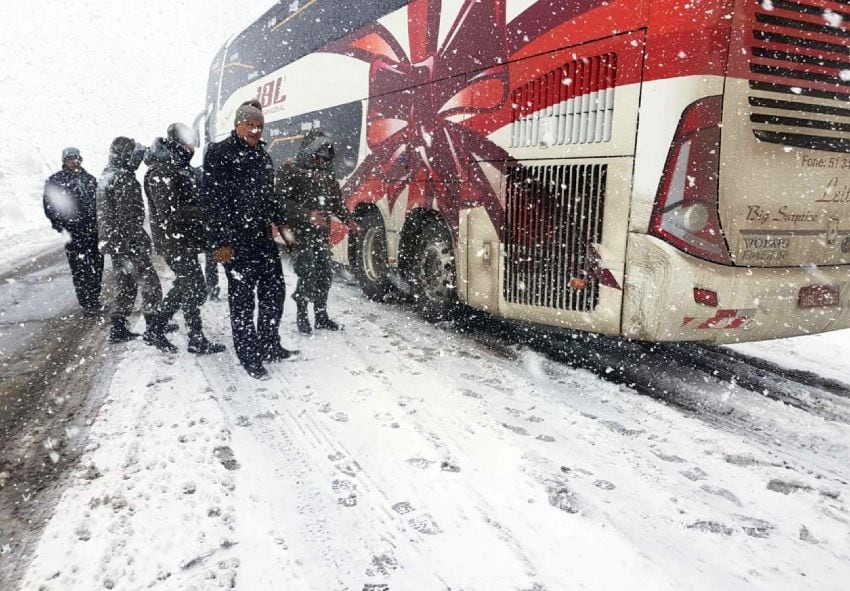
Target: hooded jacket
[120, 206]
[173, 191]
[70, 202]
[305, 185]
[237, 193]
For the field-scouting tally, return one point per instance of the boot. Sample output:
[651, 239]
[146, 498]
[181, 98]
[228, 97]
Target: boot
[276, 352]
[323, 322]
[120, 332]
[155, 333]
[302, 321]
[256, 370]
[200, 345]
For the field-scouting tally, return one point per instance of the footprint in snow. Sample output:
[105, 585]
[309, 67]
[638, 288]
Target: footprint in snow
[424, 524]
[622, 430]
[382, 564]
[564, 499]
[721, 492]
[348, 468]
[694, 474]
[756, 528]
[449, 467]
[786, 488]
[225, 455]
[403, 508]
[346, 495]
[672, 458]
[420, 463]
[340, 417]
[516, 429]
[713, 527]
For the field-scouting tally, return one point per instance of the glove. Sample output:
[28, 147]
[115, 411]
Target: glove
[223, 254]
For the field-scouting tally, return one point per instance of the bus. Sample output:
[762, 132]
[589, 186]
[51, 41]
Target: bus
[657, 169]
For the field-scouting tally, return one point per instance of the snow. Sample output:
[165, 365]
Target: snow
[825, 354]
[24, 230]
[404, 454]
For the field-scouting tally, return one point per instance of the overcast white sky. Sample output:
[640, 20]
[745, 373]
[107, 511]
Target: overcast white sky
[80, 72]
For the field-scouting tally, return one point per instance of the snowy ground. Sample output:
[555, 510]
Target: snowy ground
[405, 456]
[24, 230]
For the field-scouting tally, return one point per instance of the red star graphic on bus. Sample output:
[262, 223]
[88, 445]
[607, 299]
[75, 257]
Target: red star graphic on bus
[417, 137]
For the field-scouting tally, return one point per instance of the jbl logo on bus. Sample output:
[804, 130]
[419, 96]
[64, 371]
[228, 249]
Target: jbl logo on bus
[270, 93]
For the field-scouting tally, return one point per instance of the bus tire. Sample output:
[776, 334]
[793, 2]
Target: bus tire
[370, 265]
[433, 273]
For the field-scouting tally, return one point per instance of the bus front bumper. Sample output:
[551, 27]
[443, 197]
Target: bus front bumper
[752, 303]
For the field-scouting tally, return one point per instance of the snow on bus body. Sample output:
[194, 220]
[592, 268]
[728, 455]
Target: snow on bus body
[573, 150]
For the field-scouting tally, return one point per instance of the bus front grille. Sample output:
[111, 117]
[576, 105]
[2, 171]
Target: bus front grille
[800, 74]
[554, 216]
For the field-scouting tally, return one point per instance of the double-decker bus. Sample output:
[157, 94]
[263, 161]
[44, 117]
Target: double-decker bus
[657, 169]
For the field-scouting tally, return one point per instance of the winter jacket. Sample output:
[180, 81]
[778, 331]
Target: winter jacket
[120, 206]
[303, 186]
[237, 193]
[174, 199]
[70, 202]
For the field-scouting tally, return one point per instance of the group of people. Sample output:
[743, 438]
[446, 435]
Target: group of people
[227, 209]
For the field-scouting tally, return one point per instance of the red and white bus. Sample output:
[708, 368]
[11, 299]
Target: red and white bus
[658, 169]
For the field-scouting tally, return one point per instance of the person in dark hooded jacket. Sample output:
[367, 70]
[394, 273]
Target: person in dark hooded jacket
[69, 204]
[121, 218]
[173, 192]
[240, 210]
[311, 196]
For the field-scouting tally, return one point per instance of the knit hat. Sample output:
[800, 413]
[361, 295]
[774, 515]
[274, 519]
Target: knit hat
[182, 134]
[70, 152]
[249, 111]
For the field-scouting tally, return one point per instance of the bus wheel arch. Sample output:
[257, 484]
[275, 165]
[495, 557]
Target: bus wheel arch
[427, 258]
[368, 253]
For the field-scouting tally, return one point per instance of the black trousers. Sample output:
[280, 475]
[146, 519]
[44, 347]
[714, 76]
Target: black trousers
[187, 293]
[312, 263]
[210, 272]
[86, 264]
[134, 270]
[255, 283]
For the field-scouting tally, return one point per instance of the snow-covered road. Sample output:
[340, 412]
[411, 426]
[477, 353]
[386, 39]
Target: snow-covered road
[403, 456]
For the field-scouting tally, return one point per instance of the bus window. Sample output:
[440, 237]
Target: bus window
[341, 123]
[291, 30]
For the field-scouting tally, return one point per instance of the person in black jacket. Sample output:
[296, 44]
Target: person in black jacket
[173, 192]
[311, 196]
[121, 218]
[70, 205]
[241, 208]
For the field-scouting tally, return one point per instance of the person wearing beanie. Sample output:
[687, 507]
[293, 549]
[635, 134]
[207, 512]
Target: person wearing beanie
[240, 210]
[173, 192]
[121, 218]
[69, 204]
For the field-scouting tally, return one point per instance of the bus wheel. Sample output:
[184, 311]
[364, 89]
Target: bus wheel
[370, 256]
[432, 274]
